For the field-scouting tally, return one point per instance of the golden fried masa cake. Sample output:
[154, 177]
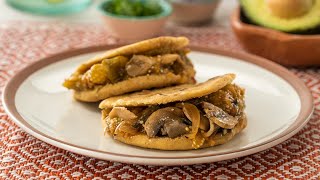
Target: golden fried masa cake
[183, 117]
[152, 63]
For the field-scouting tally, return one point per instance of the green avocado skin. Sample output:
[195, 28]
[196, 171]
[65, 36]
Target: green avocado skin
[255, 12]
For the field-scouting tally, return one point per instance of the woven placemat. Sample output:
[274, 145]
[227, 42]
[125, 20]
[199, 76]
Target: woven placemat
[24, 157]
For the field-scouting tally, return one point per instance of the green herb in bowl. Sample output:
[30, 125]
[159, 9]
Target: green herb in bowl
[136, 8]
[135, 20]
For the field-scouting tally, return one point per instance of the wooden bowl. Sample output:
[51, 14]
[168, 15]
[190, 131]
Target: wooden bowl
[286, 49]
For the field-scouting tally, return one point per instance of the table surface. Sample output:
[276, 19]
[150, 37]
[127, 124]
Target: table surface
[25, 39]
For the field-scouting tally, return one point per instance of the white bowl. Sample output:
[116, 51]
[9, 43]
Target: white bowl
[136, 28]
[189, 12]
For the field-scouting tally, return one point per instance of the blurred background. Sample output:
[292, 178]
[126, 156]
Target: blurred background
[90, 14]
[285, 31]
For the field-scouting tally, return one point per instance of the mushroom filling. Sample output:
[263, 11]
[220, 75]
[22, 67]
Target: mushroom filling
[215, 113]
[120, 68]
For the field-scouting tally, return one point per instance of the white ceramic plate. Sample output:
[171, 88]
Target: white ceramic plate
[278, 105]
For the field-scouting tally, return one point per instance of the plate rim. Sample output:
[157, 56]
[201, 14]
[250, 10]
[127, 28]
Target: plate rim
[306, 99]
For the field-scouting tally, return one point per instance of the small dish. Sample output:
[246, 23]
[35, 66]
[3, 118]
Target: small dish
[188, 12]
[283, 48]
[50, 7]
[136, 28]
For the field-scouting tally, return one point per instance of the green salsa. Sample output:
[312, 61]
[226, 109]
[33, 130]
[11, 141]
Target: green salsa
[136, 8]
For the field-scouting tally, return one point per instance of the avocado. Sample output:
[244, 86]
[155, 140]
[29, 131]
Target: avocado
[291, 16]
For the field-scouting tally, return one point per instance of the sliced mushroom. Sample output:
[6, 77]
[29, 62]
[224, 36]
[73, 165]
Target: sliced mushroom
[218, 116]
[139, 65]
[174, 128]
[123, 113]
[163, 116]
[144, 116]
[193, 114]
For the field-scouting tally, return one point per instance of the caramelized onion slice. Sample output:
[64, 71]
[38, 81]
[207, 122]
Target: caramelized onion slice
[105, 112]
[111, 124]
[123, 113]
[213, 129]
[193, 114]
[204, 123]
[126, 128]
[169, 58]
[218, 116]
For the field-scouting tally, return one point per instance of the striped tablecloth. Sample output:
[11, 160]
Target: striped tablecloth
[24, 157]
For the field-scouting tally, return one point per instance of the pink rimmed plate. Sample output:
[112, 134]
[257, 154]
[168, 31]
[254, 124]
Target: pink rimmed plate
[278, 106]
